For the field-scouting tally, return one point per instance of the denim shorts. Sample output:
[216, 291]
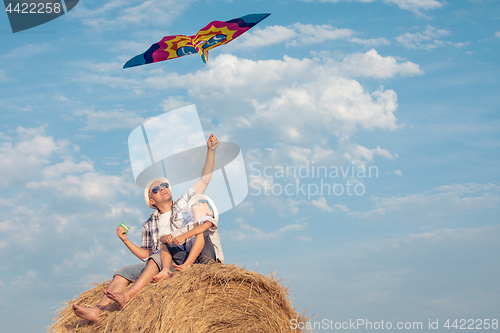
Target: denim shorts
[133, 272]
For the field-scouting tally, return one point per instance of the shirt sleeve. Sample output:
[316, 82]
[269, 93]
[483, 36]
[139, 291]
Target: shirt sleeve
[146, 236]
[214, 226]
[187, 196]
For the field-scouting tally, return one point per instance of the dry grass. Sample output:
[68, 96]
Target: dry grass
[205, 298]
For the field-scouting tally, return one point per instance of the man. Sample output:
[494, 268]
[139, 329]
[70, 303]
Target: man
[158, 197]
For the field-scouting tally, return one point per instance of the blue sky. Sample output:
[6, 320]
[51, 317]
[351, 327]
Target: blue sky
[408, 87]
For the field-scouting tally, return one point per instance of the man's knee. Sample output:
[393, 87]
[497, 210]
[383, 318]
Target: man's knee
[130, 273]
[119, 279]
[154, 263]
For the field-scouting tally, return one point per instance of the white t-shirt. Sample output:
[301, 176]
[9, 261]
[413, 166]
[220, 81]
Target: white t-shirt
[164, 225]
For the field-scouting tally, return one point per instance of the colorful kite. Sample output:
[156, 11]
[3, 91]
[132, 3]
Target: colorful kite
[216, 33]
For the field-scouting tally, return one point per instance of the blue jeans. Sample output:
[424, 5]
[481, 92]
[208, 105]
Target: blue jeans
[179, 255]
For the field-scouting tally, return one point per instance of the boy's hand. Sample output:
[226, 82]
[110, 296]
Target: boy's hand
[167, 239]
[212, 142]
[179, 239]
[122, 233]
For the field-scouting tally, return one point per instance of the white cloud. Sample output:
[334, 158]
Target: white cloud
[416, 5]
[294, 35]
[3, 75]
[246, 208]
[125, 82]
[322, 204]
[260, 184]
[56, 198]
[27, 108]
[466, 235]
[5, 137]
[333, 103]
[314, 34]
[98, 255]
[359, 155]
[6, 202]
[66, 167]
[247, 232]
[61, 98]
[458, 45]
[281, 91]
[424, 272]
[104, 121]
[23, 159]
[26, 51]
[124, 210]
[429, 39]
[370, 42]
[173, 103]
[341, 208]
[291, 102]
[18, 219]
[301, 155]
[267, 36]
[103, 67]
[441, 203]
[29, 159]
[24, 281]
[91, 186]
[372, 64]
[497, 34]
[398, 172]
[118, 13]
[413, 5]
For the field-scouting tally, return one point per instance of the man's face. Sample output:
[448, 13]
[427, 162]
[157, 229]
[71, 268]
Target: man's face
[162, 196]
[201, 209]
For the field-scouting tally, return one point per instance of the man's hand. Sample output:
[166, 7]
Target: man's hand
[212, 142]
[122, 233]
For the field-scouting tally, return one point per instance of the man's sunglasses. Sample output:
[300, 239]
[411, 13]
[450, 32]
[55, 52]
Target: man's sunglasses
[157, 189]
[203, 201]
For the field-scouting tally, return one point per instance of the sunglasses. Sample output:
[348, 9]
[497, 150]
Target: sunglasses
[157, 189]
[203, 201]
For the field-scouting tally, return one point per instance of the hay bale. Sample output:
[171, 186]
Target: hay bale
[205, 298]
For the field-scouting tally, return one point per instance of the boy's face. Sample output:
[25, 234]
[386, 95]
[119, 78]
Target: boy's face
[201, 209]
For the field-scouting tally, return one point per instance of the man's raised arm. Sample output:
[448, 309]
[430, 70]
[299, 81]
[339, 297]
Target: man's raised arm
[208, 168]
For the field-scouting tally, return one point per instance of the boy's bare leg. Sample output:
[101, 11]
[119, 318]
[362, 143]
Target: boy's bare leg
[199, 243]
[122, 298]
[166, 259]
[117, 285]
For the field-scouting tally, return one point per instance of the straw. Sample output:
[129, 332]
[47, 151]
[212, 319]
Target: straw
[204, 298]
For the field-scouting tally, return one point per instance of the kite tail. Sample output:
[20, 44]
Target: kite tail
[203, 53]
[204, 56]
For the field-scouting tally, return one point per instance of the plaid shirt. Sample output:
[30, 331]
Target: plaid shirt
[180, 213]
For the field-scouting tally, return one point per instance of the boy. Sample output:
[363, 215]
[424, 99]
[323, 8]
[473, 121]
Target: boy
[197, 242]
